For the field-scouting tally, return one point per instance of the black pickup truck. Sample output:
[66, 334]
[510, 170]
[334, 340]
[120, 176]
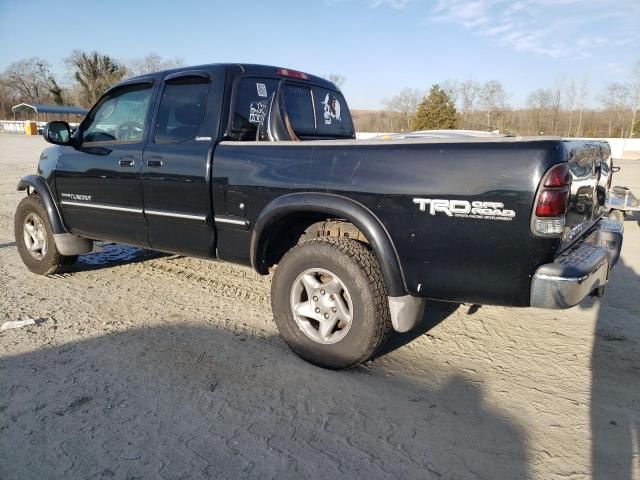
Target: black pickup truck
[259, 165]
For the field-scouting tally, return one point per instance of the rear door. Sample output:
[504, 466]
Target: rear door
[175, 167]
[98, 180]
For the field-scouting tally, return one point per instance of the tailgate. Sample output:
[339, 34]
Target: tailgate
[590, 166]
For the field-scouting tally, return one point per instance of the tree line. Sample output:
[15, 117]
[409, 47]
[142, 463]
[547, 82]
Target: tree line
[87, 76]
[569, 108]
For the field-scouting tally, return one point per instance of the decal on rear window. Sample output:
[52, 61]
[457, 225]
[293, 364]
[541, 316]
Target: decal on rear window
[262, 89]
[257, 111]
[331, 109]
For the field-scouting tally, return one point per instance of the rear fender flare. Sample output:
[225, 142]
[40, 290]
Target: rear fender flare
[339, 207]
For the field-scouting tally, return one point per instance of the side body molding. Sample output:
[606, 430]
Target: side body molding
[338, 206]
[66, 243]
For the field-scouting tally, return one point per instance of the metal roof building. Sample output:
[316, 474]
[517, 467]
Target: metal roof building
[48, 110]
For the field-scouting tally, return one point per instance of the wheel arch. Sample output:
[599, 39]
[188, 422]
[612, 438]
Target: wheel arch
[38, 185]
[66, 243]
[318, 205]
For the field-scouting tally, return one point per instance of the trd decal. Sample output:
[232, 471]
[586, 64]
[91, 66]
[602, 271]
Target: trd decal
[465, 209]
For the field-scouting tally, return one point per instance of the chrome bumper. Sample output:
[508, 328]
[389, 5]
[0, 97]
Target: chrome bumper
[580, 270]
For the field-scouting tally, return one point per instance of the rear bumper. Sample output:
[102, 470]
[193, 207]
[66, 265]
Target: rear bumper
[580, 270]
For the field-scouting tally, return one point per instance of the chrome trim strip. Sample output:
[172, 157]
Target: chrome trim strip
[161, 213]
[232, 221]
[101, 206]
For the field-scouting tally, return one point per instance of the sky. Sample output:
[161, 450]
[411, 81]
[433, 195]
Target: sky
[380, 46]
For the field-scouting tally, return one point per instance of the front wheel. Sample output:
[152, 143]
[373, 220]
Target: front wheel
[329, 302]
[34, 238]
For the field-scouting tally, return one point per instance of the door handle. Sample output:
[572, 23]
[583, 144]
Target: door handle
[154, 162]
[126, 161]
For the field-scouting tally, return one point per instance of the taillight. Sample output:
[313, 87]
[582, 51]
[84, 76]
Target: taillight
[551, 202]
[285, 72]
[558, 176]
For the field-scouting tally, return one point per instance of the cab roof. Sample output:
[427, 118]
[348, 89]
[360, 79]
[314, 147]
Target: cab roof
[244, 69]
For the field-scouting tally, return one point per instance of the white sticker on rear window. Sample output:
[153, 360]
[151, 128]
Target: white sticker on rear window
[262, 89]
[331, 109]
[256, 112]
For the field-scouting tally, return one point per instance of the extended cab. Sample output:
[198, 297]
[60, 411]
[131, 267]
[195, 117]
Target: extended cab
[259, 165]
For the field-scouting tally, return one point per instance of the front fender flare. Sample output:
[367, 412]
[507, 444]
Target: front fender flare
[66, 243]
[38, 184]
[340, 207]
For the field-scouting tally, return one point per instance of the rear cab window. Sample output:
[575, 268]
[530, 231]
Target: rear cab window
[315, 112]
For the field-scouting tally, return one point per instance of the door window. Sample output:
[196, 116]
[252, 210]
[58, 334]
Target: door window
[120, 117]
[181, 109]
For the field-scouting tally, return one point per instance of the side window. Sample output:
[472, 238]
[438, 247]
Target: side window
[182, 109]
[121, 116]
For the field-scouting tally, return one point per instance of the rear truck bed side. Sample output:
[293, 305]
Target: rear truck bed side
[485, 259]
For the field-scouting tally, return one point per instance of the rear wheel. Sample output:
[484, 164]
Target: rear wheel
[34, 238]
[329, 302]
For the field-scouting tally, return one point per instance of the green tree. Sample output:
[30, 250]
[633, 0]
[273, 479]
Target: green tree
[436, 111]
[95, 73]
[56, 91]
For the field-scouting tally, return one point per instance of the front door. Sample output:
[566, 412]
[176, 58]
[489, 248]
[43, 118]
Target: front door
[175, 168]
[98, 180]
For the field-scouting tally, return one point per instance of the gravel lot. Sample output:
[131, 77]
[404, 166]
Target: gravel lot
[152, 366]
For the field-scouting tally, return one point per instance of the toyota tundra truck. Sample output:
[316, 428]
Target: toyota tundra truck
[259, 165]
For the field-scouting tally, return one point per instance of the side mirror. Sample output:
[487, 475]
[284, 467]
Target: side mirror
[57, 132]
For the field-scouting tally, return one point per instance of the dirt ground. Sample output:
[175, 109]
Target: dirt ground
[153, 366]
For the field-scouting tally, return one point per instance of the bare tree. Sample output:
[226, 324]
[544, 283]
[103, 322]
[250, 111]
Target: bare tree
[540, 102]
[405, 104]
[556, 104]
[570, 96]
[337, 79]
[452, 88]
[635, 97]
[94, 72]
[492, 97]
[151, 63]
[469, 92]
[30, 79]
[7, 97]
[616, 99]
[583, 96]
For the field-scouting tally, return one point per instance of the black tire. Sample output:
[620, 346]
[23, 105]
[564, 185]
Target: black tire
[358, 270]
[51, 262]
[617, 215]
